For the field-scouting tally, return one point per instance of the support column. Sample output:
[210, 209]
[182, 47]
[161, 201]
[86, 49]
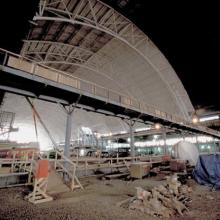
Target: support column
[131, 130]
[102, 144]
[165, 140]
[68, 133]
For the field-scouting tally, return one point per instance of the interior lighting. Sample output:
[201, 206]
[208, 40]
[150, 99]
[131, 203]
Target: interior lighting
[195, 119]
[157, 126]
[142, 129]
[156, 137]
[82, 152]
[209, 118]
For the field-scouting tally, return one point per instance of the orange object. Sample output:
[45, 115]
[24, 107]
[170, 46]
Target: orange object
[42, 169]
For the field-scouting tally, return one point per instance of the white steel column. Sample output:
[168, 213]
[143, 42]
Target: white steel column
[69, 113]
[131, 130]
[68, 134]
[165, 140]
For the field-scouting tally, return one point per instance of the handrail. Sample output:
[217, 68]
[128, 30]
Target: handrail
[113, 158]
[65, 158]
[59, 71]
[121, 98]
[70, 172]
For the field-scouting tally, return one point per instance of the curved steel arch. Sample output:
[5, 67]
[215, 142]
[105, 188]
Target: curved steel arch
[123, 30]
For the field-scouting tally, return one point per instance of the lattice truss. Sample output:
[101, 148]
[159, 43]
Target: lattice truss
[67, 34]
[6, 123]
[92, 13]
[68, 57]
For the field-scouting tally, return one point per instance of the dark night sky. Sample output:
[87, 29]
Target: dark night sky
[187, 34]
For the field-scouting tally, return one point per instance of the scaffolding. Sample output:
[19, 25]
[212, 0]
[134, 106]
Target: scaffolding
[6, 124]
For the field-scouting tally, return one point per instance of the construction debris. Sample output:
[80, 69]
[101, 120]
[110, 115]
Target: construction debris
[163, 201]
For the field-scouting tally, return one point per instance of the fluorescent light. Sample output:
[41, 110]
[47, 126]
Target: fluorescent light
[142, 129]
[209, 118]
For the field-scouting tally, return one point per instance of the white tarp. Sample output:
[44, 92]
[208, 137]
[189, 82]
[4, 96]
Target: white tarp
[186, 151]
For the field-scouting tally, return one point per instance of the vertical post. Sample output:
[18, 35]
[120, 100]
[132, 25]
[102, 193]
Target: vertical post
[101, 144]
[67, 139]
[132, 141]
[78, 137]
[31, 168]
[77, 157]
[55, 161]
[13, 161]
[165, 140]
[97, 142]
[68, 134]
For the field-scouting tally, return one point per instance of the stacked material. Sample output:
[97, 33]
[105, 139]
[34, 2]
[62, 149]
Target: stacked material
[163, 201]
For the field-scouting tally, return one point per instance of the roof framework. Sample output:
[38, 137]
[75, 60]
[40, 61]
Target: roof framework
[70, 34]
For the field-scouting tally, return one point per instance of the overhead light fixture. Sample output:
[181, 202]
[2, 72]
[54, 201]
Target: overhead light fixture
[209, 118]
[157, 126]
[195, 119]
[142, 129]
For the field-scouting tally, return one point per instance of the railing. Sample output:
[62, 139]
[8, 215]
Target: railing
[19, 166]
[32, 67]
[67, 167]
[86, 164]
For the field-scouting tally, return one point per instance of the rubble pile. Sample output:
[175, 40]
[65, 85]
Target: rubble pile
[164, 200]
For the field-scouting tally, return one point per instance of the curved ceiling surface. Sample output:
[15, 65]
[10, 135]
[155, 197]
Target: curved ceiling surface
[92, 41]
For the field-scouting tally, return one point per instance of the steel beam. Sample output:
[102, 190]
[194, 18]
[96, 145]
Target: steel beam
[165, 140]
[131, 130]
[68, 134]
